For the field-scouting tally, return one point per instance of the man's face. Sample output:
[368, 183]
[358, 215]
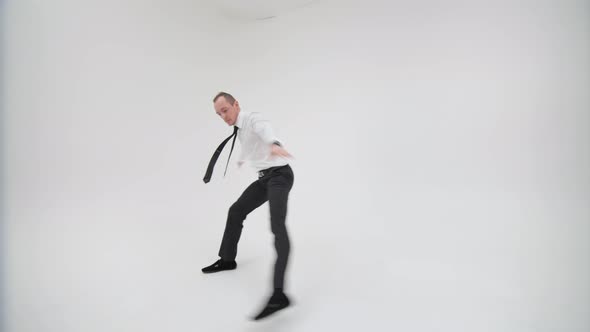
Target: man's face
[227, 111]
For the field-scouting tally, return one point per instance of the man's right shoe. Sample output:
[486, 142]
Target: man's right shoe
[220, 265]
[278, 301]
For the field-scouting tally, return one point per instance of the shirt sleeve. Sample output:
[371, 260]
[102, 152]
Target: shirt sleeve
[263, 128]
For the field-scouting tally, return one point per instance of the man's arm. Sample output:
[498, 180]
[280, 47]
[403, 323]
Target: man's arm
[277, 150]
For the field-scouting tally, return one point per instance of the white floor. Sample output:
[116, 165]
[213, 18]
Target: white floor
[94, 273]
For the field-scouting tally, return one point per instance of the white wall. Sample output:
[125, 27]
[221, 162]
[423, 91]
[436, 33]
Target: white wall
[442, 156]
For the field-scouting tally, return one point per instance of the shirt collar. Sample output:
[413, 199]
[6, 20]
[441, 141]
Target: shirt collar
[240, 119]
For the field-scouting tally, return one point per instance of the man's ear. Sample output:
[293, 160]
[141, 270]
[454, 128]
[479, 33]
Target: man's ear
[236, 104]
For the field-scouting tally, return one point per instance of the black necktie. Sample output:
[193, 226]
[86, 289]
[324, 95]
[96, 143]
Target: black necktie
[216, 154]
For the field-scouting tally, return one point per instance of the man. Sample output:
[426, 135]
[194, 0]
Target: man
[266, 154]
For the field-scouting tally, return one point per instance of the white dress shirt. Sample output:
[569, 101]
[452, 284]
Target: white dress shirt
[256, 137]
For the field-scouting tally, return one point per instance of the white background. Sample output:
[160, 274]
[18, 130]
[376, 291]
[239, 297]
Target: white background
[441, 172]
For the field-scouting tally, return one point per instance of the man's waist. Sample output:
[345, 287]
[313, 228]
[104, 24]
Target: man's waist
[269, 170]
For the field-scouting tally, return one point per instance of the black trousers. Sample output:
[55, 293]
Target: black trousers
[273, 185]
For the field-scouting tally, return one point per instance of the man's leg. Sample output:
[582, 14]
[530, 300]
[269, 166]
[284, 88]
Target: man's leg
[254, 196]
[279, 187]
[278, 196]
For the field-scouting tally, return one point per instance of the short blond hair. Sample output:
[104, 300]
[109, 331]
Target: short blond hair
[230, 99]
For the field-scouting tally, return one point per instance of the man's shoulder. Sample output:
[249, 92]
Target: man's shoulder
[248, 114]
[253, 116]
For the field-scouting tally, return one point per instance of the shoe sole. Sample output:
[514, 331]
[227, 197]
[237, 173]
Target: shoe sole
[228, 269]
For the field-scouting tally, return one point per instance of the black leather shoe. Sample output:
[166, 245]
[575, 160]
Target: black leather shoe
[277, 301]
[220, 265]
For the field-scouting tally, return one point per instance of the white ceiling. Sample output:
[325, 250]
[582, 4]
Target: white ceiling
[258, 9]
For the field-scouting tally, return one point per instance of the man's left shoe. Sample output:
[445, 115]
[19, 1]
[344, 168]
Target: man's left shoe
[220, 265]
[277, 301]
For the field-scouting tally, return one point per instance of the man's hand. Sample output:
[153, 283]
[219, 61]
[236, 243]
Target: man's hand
[276, 150]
